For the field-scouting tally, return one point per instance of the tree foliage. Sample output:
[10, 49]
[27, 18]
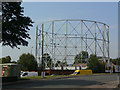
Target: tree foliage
[58, 64]
[81, 56]
[28, 62]
[6, 59]
[96, 65]
[47, 60]
[115, 61]
[15, 25]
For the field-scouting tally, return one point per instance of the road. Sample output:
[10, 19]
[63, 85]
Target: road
[74, 82]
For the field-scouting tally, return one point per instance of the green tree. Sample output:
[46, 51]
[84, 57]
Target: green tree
[48, 60]
[58, 63]
[15, 25]
[28, 62]
[95, 64]
[115, 61]
[102, 66]
[6, 59]
[83, 55]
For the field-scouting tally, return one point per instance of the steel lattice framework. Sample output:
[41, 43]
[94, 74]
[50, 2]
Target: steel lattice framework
[63, 39]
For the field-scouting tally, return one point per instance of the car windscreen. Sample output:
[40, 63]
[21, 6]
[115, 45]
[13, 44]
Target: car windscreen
[75, 73]
[24, 74]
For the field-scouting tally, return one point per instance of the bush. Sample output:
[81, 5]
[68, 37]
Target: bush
[95, 65]
[28, 62]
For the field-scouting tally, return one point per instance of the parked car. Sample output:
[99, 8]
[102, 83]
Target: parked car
[29, 74]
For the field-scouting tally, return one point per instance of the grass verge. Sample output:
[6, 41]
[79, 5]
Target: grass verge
[46, 77]
[58, 76]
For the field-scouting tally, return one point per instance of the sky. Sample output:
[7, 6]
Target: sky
[106, 12]
[71, 0]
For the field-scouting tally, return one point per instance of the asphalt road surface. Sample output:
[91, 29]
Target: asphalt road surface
[75, 82]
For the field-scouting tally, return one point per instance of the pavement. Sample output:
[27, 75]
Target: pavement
[32, 80]
[112, 84]
[108, 84]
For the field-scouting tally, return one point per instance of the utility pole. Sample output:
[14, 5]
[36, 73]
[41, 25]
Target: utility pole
[36, 53]
[31, 50]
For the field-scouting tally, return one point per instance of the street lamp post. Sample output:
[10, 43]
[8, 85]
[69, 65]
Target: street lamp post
[31, 49]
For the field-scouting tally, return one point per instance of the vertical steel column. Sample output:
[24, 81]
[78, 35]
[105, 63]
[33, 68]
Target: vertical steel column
[54, 51]
[42, 48]
[95, 40]
[52, 41]
[36, 44]
[108, 45]
[81, 39]
[104, 43]
[86, 42]
[109, 63]
[103, 47]
[86, 47]
[46, 46]
[66, 42]
[76, 45]
[38, 50]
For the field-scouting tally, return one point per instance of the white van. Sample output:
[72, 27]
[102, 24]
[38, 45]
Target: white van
[29, 74]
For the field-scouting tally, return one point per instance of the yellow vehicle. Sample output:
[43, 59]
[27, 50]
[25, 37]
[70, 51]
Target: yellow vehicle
[76, 72]
[82, 72]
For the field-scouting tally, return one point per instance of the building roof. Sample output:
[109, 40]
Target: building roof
[80, 64]
[8, 64]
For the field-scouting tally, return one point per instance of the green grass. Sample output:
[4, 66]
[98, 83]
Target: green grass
[34, 77]
[46, 77]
